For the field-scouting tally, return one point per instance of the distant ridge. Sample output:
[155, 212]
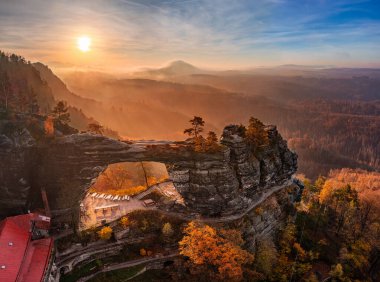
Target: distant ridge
[175, 68]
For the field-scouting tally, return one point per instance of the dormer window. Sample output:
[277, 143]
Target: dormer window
[3, 267]
[10, 243]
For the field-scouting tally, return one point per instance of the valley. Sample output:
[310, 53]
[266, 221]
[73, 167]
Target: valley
[124, 207]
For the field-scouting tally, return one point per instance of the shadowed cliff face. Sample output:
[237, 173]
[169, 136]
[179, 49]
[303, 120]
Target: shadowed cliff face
[16, 160]
[211, 184]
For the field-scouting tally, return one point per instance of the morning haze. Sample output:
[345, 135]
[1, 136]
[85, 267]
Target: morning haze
[189, 140]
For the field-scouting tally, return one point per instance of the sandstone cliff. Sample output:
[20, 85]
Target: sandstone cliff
[212, 184]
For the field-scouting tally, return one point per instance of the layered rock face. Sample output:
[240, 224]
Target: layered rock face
[212, 184]
[269, 166]
[261, 222]
[17, 154]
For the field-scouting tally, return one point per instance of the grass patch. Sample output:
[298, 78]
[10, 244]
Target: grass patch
[152, 275]
[117, 275]
[81, 272]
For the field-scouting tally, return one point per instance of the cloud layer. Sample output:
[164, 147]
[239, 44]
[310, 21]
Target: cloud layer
[216, 33]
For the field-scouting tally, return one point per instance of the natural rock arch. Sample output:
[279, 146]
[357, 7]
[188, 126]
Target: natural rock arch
[210, 183]
[80, 158]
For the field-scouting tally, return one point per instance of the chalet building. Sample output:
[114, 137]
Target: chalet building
[25, 248]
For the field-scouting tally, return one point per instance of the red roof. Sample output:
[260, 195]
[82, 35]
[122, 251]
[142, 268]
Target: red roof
[22, 259]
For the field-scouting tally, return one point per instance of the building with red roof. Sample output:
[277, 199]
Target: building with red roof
[25, 248]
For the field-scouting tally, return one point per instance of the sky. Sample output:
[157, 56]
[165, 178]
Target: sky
[218, 34]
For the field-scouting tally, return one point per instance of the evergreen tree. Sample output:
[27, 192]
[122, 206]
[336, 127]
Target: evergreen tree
[95, 128]
[256, 134]
[60, 113]
[197, 127]
[5, 89]
[212, 142]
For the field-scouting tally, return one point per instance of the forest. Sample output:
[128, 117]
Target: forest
[333, 232]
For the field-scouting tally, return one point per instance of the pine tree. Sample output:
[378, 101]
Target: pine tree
[256, 134]
[60, 113]
[212, 142]
[197, 127]
[95, 128]
[5, 89]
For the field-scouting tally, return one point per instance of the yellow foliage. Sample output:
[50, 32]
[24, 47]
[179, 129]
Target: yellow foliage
[203, 245]
[326, 191]
[167, 230]
[300, 251]
[124, 221]
[143, 252]
[105, 233]
[259, 211]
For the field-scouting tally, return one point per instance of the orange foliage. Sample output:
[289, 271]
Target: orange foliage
[366, 183]
[105, 233]
[128, 178]
[203, 245]
[143, 252]
[124, 221]
[130, 191]
[49, 126]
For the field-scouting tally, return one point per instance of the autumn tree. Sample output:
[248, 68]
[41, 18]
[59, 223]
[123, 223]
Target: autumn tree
[95, 128]
[115, 177]
[337, 273]
[212, 144]
[256, 134]
[143, 252]
[199, 144]
[293, 261]
[167, 230]
[124, 221]
[49, 126]
[60, 113]
[265, 257]
[204, 245]
[356, 259]
[105, 233]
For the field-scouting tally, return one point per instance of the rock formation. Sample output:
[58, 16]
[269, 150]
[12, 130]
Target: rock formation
[212, 184]
[16, 155]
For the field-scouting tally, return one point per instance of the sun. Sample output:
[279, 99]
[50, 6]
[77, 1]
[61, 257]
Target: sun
[84, 43]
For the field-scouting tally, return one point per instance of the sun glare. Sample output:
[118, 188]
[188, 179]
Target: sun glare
[84, 43]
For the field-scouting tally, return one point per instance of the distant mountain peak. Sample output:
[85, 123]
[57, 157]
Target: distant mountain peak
[180, 66]
[174, 68]
[180, 63]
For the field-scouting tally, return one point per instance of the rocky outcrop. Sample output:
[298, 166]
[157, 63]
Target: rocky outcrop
[17, 154]
[262, 222]
[212, 184]
[268, 166]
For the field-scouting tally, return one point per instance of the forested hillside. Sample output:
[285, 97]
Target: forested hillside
[326, 121]
[25, 90]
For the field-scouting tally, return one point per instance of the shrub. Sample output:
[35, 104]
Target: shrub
[105, 233]
[124, 222]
